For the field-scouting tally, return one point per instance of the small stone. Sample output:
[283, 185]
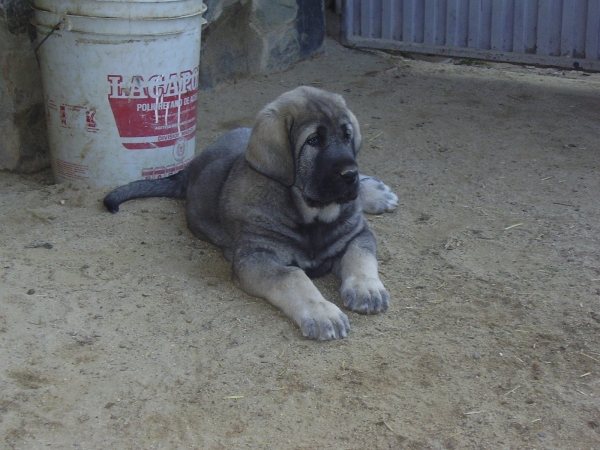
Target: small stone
[476, 355]
[31, 292]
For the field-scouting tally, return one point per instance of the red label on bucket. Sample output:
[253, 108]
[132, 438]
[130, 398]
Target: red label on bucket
[157, 111]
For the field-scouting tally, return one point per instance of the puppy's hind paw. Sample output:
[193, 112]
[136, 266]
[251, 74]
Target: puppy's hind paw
[375, 196]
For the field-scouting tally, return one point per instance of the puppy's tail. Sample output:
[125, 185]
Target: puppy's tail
[174, 186]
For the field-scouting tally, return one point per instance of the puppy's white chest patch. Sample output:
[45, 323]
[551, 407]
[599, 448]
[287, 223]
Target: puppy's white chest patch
[326, 214]
[309, 214]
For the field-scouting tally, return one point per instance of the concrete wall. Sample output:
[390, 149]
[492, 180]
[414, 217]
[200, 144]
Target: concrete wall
[242, 38]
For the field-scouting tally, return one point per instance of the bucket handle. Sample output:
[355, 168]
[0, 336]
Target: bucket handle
[54, 28]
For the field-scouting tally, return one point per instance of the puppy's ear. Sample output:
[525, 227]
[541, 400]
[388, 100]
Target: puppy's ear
[269, 149]
[357, 137]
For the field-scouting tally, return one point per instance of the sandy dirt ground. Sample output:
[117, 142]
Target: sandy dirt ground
[125, 332]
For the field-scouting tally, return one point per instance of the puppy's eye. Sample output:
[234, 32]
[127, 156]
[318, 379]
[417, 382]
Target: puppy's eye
[347, 131]
[313, 141]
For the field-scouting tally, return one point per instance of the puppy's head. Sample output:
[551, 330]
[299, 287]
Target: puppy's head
[309, 139]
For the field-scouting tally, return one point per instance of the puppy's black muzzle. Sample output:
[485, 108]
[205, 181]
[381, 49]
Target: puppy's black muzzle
[348, 187]
[335, 177]
[350, 176]
[339, 181]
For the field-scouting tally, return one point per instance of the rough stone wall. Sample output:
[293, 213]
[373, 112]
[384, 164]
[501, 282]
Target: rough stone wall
[248, 37]
[242, 38]
[23, 143]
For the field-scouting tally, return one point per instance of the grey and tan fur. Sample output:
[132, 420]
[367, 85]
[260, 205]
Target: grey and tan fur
[284, 201]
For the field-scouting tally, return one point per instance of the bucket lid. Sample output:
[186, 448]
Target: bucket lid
[119, 18]
[121, 9]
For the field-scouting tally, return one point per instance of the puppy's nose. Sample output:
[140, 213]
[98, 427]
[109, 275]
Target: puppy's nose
[349, 175]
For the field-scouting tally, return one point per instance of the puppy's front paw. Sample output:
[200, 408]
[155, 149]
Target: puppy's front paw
[324, 321]
[365, 296]
[375, 196]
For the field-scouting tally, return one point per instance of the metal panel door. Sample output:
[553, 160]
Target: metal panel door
[564, 33]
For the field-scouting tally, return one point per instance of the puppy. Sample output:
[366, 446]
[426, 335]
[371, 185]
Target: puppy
[284, 201]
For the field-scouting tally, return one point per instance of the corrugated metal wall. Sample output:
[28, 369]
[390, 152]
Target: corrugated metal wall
[563, 33]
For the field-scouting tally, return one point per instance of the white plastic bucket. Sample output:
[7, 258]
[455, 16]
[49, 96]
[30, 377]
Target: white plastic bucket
[120, 84]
